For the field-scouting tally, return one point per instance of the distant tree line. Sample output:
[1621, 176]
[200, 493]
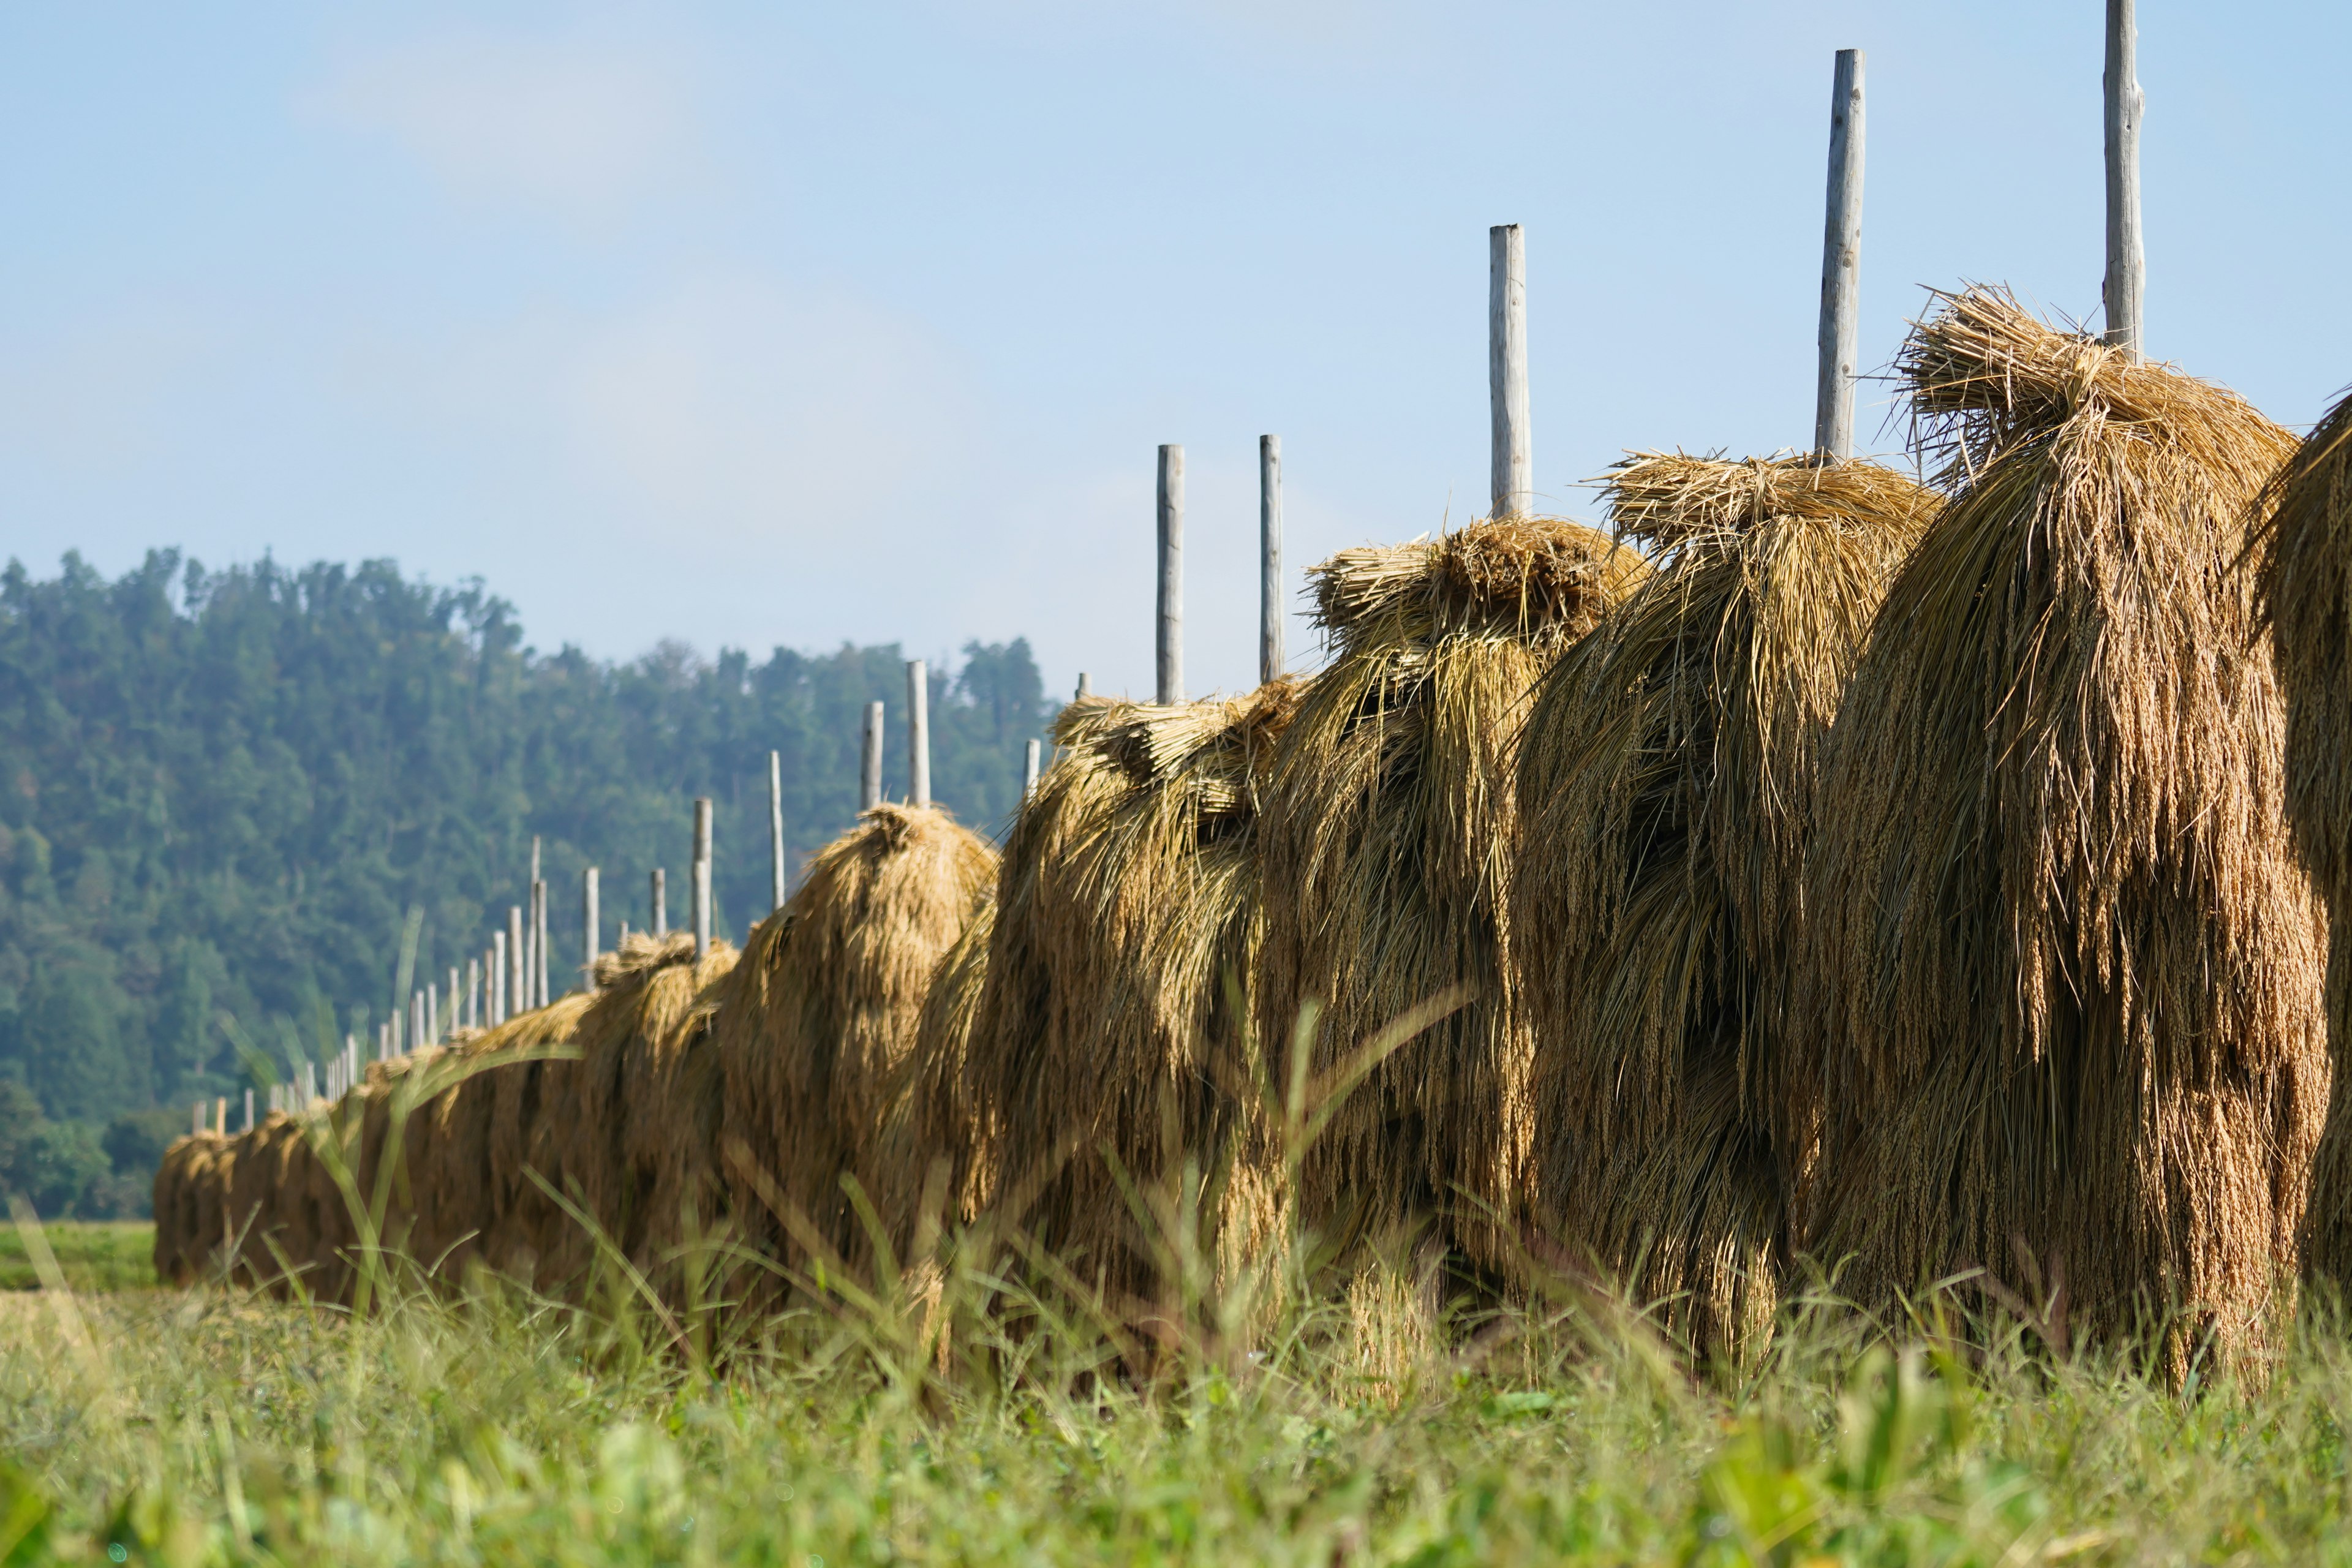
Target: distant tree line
[222, 793]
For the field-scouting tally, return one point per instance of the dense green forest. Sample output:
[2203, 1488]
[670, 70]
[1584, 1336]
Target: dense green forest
[226, 796]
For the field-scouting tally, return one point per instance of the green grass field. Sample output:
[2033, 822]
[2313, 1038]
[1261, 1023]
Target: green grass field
[206, 1426]
[110, 1255]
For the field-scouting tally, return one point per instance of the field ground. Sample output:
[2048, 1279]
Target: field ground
[207, 1427]
[108, 1254]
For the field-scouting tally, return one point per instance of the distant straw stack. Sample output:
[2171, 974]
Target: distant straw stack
[1389, 833]
[2066, 973]
[816, 1033]
[1112, 1038]
[2304, 582]
[1665, 778]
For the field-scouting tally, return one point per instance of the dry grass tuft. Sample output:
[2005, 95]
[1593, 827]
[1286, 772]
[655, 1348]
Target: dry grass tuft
[1390, 834]
[816, 1033]
[2065, 970]
[1669, 762]
[2303, 580]
[1095, 1072]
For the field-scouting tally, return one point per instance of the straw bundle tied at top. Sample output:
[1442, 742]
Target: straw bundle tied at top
[1390, 835]
[818, 1030]
[1106, 1051]
[2064, 971]
[2305, 581]
[1669, 762]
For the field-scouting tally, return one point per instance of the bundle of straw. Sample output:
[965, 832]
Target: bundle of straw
[1665, 781]
[2304, 586]
[1111, 1041]
[816, 1035]
[2065, 970]
[1389, 830]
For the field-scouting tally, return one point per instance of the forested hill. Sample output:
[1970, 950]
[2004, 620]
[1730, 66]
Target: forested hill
[220, 792]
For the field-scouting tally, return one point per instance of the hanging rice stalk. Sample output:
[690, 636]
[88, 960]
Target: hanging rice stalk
[2305, 584]
[1390, 832]
[1669, 763]
[2065, 972]
[816, 1032]
[1116, 1093]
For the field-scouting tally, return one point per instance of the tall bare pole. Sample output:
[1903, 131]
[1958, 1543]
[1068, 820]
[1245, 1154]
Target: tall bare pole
[1512, 457]
[919, 734]
[591, 928]
[776, 827]
[473, 992]
[2127, 287]
[660, 912]
[1170, 641]
[518, 999]
[701, 876]
[1841, 334]
[1269, 558]
[869, 768]
[538, 955]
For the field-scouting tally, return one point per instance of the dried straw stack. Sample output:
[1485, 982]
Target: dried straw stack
[1664, 783]
[1110, 1045]
[815, 1035]
[2065, 974]
[2304, 587]
[1390, 832]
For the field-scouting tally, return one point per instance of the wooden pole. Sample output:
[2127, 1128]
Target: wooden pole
[590, 927]
[473, 992]
[1512, 462]
[1269, 558]
[431, 1035]
[1170, 646]
[249, 1110]
[701, 876]
[1840, 332]
[776, 828]
[2127, 287]
[539, 955]
[869, 768]
[518, 999]
[220, 1116]
[1029, 770]
[919, 734]
[660, 910]
[1085, 686]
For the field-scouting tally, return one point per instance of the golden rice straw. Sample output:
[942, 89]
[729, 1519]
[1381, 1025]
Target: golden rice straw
[2305, 584]
[2065, 972]
[1668, 766]
[1106, 1042]
[816, 1032]
[1389, 831]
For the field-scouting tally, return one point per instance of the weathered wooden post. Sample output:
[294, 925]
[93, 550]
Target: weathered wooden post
[1085, 686]
[2127, 287]
[1170, 641]
[518, 997]
[869, 767]
[919, 734]
[776, 827]
[590, 927]
[1512, 460]
[457, 1008]
[1029, 770]
[1269, 558]
[472, 994]
[538, 955]
[660, 910]
[249, 1110]
[1841, 330]
[702, 877]
[432, 1033]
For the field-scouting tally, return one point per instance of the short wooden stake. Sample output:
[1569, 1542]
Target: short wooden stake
[776, 828]
[702, 877]
[2127, 287]
[1171, 640]
[660, 909]
[1085, 686]
[1029, 770]
[220, 1117]
[1512, 460]
[1840, 338]
[919, 734]
[869, 767]
[1269, 558]
[196, 1128]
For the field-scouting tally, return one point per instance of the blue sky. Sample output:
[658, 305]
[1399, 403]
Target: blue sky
[761, 324]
